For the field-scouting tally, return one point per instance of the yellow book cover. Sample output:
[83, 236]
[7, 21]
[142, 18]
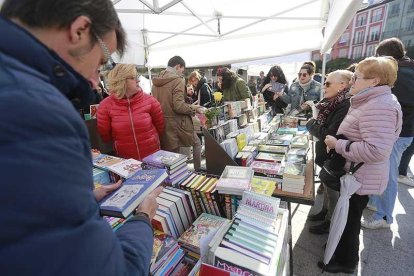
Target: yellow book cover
[263, 186]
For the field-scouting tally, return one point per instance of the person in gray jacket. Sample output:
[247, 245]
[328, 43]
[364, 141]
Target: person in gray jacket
[303, 90]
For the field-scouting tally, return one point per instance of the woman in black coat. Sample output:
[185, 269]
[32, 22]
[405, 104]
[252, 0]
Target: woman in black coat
[331, 112]
[201, 88]
[274, 83]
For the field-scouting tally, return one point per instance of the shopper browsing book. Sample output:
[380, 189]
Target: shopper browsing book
[130, 118]
[373, 123]
[273, 86]
[50, 52]
[331, 112]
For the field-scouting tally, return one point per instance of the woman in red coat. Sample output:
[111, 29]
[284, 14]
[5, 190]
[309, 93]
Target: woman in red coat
[130, 118]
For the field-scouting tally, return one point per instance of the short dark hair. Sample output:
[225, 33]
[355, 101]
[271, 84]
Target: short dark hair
[61, 14]
[391, 47]
[278, 73]
[176, 60]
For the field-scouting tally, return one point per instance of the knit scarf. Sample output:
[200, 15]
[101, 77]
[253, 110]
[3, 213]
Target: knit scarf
[304, 85]
[326, 106]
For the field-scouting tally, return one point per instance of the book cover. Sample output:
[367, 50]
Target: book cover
[200, 229]
[272, 149]
[263, 186]
[100, 177]
[163, 243]
[103, 161]
[208, 270]
[262, 203]
[300, 141]
[270, 157]
[126, 168]
[165, 159]
[294, 170]
[123, 201]
[93, 110]
[266, 167]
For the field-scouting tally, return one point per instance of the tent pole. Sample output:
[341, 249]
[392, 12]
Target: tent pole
[323, 71]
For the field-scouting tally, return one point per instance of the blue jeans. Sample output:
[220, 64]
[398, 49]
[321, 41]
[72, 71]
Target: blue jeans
[385, 202]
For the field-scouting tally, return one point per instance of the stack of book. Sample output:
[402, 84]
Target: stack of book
[123, 201]
[256, 241]
[297, 155]
[279, 139]
[230, 146]
[169, 259]
[201, 232]
[175, 164]
[235, 180]
[267, 169]
[124, 168]
[270, 157]
[300, 141]
[114, 222]
[294, 177]
[203, 190]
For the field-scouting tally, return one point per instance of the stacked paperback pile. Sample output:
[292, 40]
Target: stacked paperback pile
[169, 259]
[256, 241]
[294, 178]
[175, 163]
[196, 238]
[124, 168]
[232, 183]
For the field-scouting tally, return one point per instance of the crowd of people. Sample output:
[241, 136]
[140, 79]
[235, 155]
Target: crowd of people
[47, 65]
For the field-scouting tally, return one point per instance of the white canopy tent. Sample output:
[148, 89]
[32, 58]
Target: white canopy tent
[215, 32]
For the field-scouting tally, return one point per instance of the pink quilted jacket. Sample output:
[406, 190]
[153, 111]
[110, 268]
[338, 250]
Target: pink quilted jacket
[374, 123]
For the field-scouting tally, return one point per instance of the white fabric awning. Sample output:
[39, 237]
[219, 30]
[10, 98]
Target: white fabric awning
[215, 32]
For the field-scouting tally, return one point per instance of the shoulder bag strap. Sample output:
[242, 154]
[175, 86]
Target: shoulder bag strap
[353, 168]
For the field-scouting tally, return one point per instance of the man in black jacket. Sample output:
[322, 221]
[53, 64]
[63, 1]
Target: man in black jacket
[404, 91]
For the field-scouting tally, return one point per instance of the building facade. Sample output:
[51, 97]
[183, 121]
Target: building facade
[400, 21]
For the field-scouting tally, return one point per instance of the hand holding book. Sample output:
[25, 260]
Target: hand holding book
[149, 206]
[104, 190]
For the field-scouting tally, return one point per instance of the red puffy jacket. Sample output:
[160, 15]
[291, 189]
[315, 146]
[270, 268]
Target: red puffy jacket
[133, 124]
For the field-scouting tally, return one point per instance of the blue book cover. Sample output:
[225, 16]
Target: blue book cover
[164, 158]
[123, 201]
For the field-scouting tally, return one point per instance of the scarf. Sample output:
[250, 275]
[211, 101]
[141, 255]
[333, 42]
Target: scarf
[326, 106]
[304, 85]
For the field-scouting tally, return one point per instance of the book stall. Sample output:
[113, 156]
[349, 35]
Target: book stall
[230, 218]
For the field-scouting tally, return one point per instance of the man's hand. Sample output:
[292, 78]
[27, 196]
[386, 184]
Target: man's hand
[150, 205]
[105, 190]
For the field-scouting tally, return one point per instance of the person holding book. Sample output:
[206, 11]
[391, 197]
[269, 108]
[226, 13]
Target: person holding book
[274, 85]
[50, 52]
[130, 118]
[202, 90]
[404, 91]
[304, 89]
[373, 124]
[169, 90]
[233, 87]
[331, 112]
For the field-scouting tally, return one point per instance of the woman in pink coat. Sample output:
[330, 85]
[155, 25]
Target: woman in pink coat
[373, 123]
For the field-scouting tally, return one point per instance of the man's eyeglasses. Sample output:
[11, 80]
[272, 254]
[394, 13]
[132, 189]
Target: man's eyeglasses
[110, 63]
[303, 75]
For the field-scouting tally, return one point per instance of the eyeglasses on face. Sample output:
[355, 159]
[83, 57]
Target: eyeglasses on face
[303, 75]
[110, 63]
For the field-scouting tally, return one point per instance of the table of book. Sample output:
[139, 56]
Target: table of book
[217, 159]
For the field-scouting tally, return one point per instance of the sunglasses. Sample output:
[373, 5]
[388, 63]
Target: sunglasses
[110, 63]
[303, 75]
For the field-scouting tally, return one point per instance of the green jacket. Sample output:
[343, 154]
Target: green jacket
[238, 91]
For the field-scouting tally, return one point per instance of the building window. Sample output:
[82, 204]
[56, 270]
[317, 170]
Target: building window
[376, 15]
[374, 34]
[395, 9]
[361, 20]
[316, 57]
[343, 53]
[371, 50]
[344, 38]
[359, 37]
[357, 52]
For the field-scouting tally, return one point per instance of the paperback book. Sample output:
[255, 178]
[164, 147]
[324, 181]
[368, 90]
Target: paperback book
[123, 201]
[165, 159]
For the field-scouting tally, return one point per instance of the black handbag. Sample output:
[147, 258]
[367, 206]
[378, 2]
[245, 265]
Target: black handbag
[333, 169]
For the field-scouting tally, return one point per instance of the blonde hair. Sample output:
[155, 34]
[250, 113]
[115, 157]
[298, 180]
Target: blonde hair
[343, 76]
[194, 75]
[384, 68]
[118, 76]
